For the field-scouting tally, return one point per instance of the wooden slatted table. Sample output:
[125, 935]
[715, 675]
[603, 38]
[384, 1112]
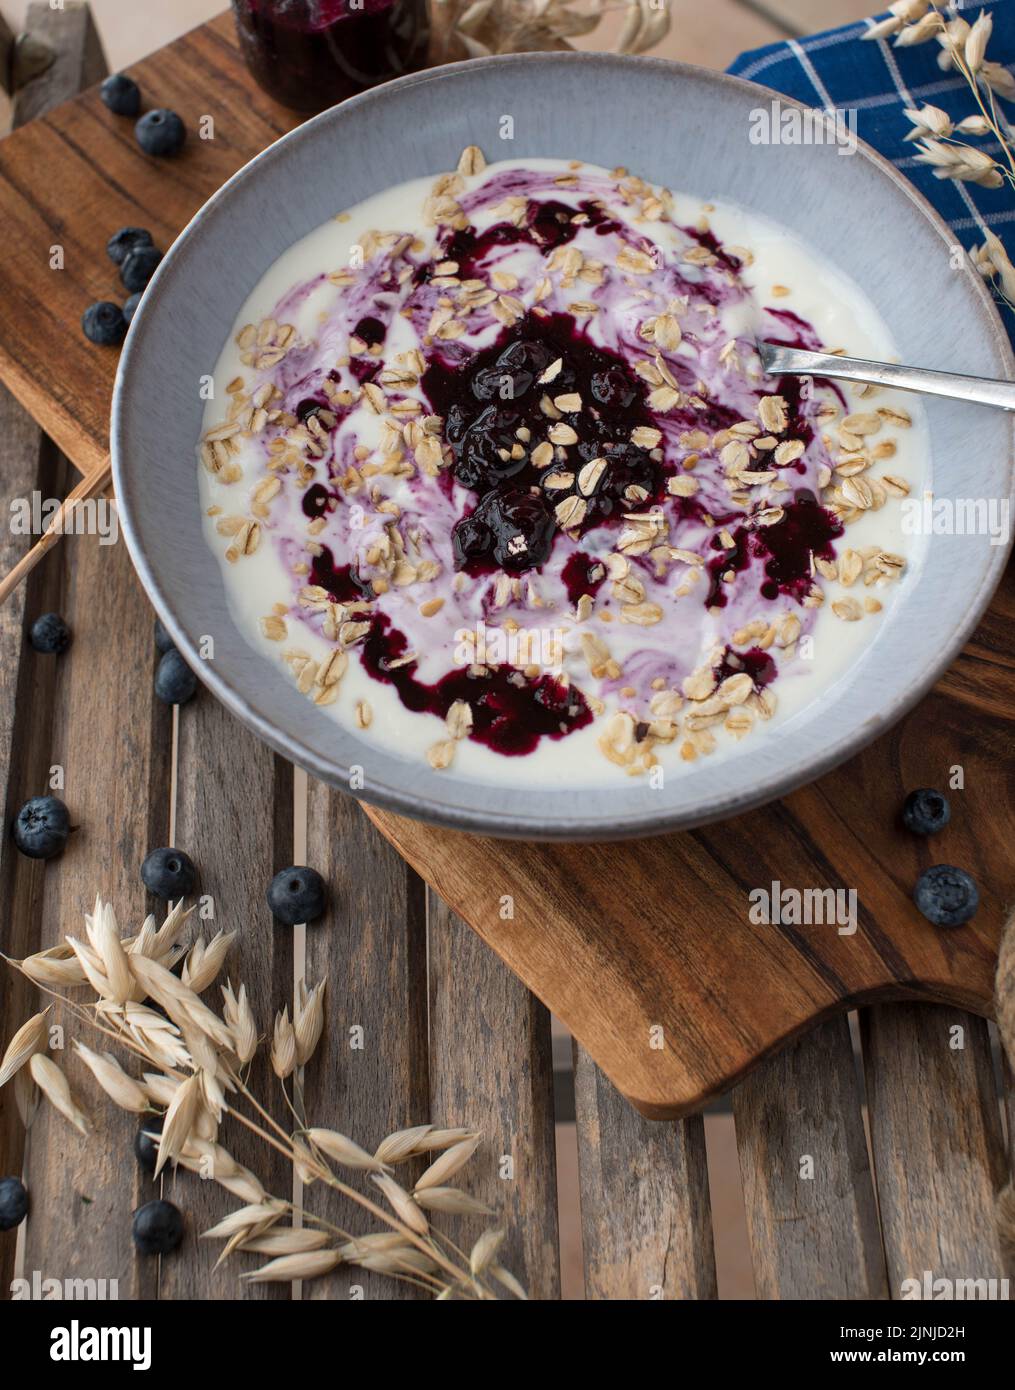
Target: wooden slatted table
[451, 1034]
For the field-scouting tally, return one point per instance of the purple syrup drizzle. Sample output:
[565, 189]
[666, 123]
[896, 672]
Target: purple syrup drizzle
[786, 549]
[510, 712]
[577, 575]
[341, 582]
[755, 661]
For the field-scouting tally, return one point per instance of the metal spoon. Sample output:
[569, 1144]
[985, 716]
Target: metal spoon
[777, 360]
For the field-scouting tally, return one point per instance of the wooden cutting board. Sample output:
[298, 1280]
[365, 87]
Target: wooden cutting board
[646, 950]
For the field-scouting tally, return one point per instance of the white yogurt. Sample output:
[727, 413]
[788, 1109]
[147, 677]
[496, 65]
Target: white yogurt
[321, 314]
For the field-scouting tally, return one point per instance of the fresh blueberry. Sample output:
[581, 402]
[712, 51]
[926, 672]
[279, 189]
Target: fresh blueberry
[127, 239]
[946, 896]
[41, 827]
[175, 682]
[169, 873]
[158, 1228]
[121, 94]
[103, 323]
[160, 133]
[926, 811]
[162, 638]
[49, 634]
[139, 267]
[13, 1203]
[146, 1151]
[130, 306]
[296, 895]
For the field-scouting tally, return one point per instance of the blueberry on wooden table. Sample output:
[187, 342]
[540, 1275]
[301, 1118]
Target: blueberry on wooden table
[49, 634]
[130, 306]
[127, 239]
[139, 267]
[175, 682]
[297, 895]
[169, 873]
[146, 1150]
[160, 133]
[13, 1203]
[158, 1228]
[103, 323]
[926, 811]
[163, 640]
[121, 94]
[41, 827]
[946, 896]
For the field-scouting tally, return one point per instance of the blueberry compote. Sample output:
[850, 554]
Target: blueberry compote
[309, 54]
[510, 711]
[493, 406]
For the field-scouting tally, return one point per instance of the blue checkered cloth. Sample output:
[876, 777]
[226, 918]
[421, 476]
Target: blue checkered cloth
[839, 70]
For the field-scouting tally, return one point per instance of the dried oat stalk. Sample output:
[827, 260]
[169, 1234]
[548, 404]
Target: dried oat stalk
[943, 143]
[194, 1070]
[483, 27]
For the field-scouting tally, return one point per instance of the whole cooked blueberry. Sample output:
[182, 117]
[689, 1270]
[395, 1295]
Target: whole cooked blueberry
[926, 811]
[160, 133]
[613, 388]
[527, 355]
[121, 94]
[127, 239]
[146, 1151]
[13, 1203]
[139, 267]
[511, 528]
[162, 638]
[169, 873]
[488, 452]
[946, 896]
[297, 895]
[130, 306]
[41, 827]
[158, 1228]
[103, 323]
[49, 633]
[175, 682]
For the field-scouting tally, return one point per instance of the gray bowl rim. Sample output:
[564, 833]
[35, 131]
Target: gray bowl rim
[492, 821]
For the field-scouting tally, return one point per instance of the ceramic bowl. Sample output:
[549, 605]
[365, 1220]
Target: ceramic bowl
[675, 125]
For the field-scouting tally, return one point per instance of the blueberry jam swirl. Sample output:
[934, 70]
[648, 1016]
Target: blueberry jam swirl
[515, 465]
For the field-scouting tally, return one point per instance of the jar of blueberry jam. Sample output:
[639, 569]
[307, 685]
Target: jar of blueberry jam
[310, 54]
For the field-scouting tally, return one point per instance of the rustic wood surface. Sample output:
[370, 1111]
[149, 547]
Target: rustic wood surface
[646, 1223]
[808, 1190]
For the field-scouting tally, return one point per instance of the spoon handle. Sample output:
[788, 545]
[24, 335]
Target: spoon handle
[797, 362]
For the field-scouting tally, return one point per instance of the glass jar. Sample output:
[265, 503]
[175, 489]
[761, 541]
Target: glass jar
[310, 54]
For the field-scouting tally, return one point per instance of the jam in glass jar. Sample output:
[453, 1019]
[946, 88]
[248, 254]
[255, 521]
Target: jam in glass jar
[310, 54]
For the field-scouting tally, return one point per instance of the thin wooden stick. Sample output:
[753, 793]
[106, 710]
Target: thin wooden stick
[89, 485]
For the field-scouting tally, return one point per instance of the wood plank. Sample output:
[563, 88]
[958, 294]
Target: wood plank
[811, 1213]
[646, 1223]
[491, 1069]
[234, 817]
[27, 680]
[369, 1076]
[936, 1138]
[113, 740]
